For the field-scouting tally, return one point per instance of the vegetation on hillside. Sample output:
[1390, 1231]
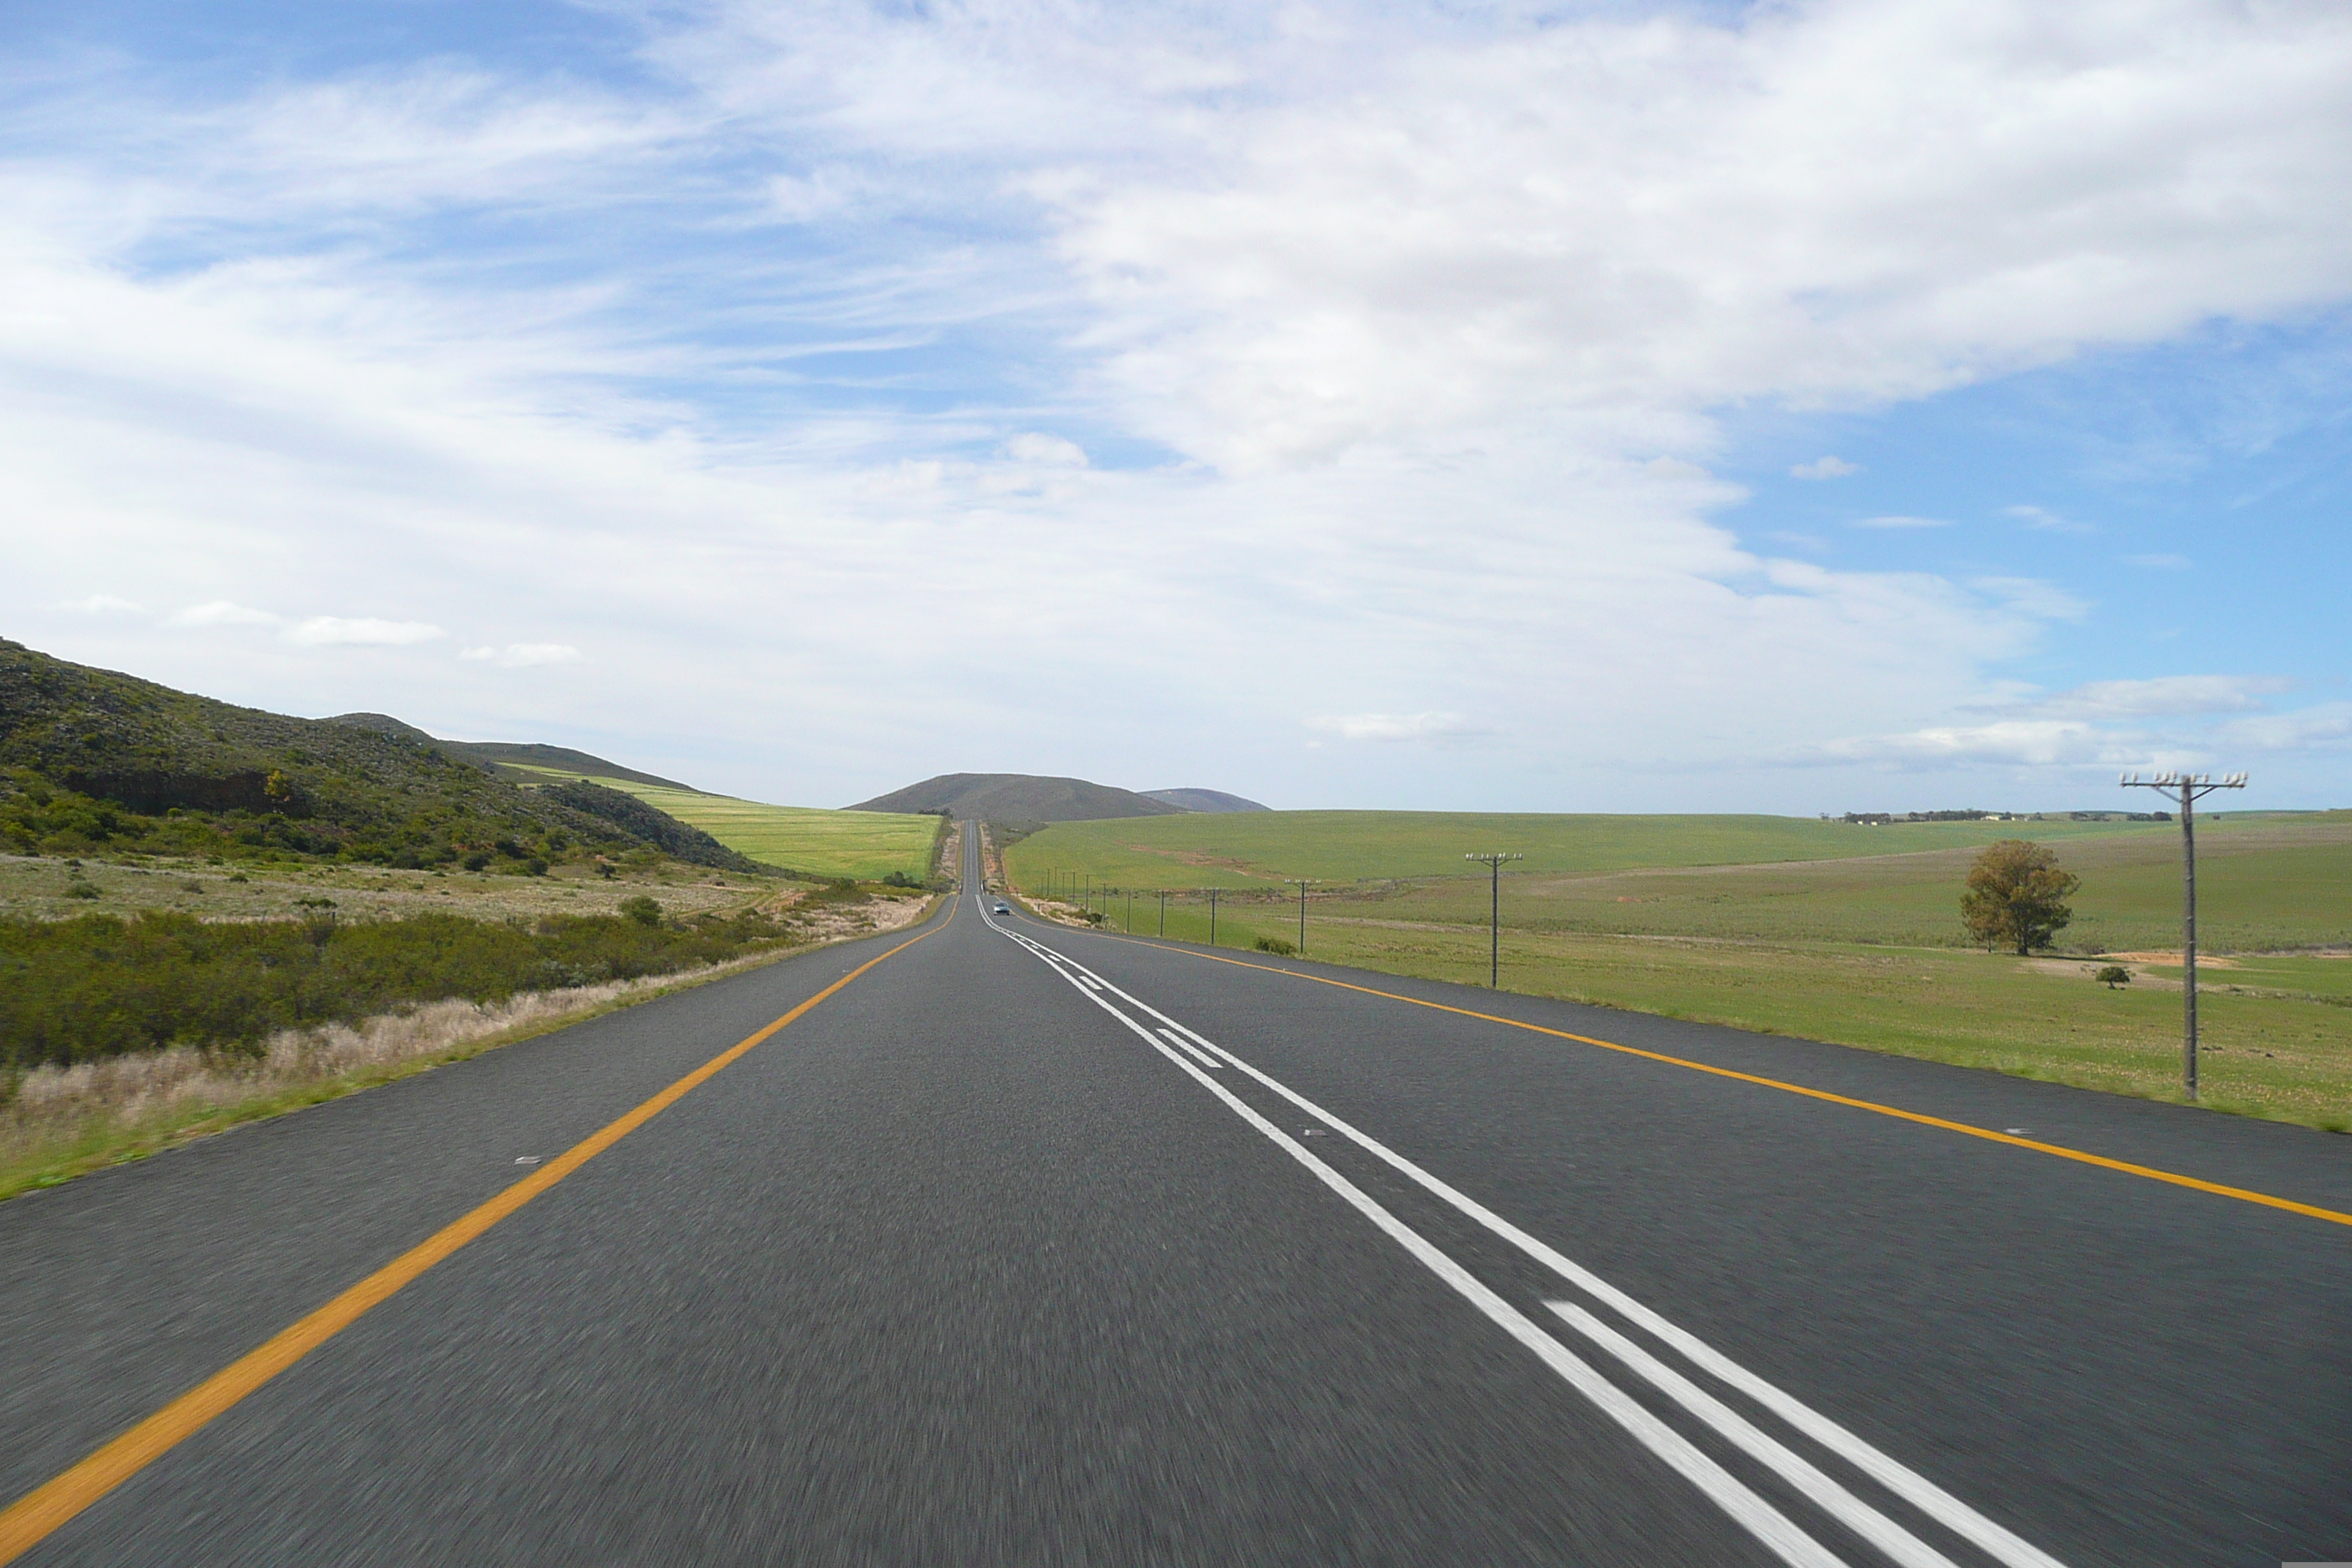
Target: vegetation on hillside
[92, 761]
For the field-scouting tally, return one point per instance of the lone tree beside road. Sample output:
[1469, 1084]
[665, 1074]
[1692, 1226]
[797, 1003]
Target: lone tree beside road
[2016, 895]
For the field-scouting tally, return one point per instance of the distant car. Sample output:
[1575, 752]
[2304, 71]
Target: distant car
[1000, 909]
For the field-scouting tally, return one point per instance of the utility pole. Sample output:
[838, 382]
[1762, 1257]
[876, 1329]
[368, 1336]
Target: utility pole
[2187, 788]
[1494, 863]
[1301, 883]
[1213, 917]
[1130, 911]
[1163, 911]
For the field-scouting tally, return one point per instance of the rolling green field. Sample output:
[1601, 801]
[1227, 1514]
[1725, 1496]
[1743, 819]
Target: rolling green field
[1260, 848]
[867, 844]
[1859, 945]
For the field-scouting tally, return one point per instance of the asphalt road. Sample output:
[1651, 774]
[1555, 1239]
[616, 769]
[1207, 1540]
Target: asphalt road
[1038, 1246]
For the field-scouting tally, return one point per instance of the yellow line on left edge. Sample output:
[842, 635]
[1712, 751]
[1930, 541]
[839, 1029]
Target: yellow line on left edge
[31, 1518]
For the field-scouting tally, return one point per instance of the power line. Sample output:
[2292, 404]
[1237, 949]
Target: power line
[2187, 788]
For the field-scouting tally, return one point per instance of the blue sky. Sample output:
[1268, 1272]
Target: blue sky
[1817, 407]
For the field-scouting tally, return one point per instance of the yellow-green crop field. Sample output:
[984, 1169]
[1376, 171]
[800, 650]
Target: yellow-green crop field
[1792, 931]
[867, 844]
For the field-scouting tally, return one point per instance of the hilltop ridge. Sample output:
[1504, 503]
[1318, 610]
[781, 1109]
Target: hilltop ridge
[1018, 797]
[511, 759]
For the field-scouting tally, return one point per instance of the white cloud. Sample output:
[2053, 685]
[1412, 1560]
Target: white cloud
[2168, 695]
[223, 613]
[1396, 726]
[1901, 522]
[334, 631]
[2326, 726]
[2046, 519]
[101, 604]
[1825, 468]
[1033, 448]
[1421, 318]
[2034, 742]
[2160, 562]
[524, 654]
[2032, 596]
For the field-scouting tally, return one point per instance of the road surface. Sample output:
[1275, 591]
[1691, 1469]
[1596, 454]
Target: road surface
[1028, 1245]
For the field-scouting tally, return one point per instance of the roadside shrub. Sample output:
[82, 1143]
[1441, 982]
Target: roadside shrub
[899, 880]
[1275, 945]
[641, 909]
[100, 985]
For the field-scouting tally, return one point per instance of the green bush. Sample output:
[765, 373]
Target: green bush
[99, 986]
[1275, 945]
[641, 909]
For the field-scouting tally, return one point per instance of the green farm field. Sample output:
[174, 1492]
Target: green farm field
[1863, 949]
[1255, 848]
[867, 844]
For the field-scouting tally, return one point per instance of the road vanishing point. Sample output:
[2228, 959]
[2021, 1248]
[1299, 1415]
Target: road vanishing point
[998, 1242]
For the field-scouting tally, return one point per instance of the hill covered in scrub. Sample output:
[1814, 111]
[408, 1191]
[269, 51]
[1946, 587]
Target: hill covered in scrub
[510, 759]
[95, 761]
[1018, 797]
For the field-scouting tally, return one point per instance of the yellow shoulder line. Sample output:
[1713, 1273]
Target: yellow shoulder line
[29, 1520]
[2309, 1211]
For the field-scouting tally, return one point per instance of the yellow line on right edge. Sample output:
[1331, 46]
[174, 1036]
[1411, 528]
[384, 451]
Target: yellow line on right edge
[2242, 1194]
[31, 1518]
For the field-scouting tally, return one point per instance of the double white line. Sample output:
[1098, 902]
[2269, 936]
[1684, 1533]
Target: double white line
[1199, 1055]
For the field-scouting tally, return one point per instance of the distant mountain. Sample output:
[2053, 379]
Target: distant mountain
[498, 756]
[1018, 797]
[94, 762]
[1203, 800]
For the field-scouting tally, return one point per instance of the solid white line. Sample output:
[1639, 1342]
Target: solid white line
[1761, 1519]
[2001, 1543]
[1832, 1499]
[1205, 1059]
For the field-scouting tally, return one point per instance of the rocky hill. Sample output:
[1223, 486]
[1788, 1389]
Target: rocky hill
[95, 761]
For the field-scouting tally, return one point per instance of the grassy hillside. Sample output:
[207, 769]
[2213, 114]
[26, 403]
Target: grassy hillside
[93, 761]
[869, 845]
